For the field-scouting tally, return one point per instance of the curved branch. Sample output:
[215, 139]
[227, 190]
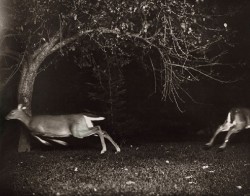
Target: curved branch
[69, 40]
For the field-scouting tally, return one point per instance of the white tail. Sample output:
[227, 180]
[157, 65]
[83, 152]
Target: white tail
[77, 125]
[237, 120]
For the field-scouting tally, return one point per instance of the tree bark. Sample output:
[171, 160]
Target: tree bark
[25, 91]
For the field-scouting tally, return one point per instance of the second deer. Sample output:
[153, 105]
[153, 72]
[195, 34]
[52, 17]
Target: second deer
[237, 120]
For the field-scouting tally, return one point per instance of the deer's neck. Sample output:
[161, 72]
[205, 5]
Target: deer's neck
[25, 119]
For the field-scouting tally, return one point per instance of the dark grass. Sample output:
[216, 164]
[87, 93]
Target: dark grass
[142, 169]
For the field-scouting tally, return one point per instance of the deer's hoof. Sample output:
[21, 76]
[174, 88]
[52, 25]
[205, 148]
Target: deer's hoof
[118, 150]
[103, 151]
[221, 149]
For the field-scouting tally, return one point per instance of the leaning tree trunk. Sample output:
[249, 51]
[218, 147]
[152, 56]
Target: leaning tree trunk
[25, 91]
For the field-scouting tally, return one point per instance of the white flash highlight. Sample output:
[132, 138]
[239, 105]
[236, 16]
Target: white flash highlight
[228, 125]
[42, 141]
[3, 18]
[54, 140]
[59, 142]
[229, 117]
[3, 24]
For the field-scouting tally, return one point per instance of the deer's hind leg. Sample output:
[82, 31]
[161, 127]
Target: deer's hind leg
[80, 132]
[107, 136]
[233, 130]
[226, 126]
[97, 130]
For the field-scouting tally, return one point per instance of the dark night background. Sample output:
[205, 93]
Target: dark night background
[63, 88]
[162, 147]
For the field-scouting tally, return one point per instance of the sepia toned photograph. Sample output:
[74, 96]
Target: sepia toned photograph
[124, 97]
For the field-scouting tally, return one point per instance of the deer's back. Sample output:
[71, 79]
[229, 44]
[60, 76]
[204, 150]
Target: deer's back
[56, 125]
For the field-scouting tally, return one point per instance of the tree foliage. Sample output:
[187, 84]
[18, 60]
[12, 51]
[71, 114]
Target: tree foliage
[179, 40]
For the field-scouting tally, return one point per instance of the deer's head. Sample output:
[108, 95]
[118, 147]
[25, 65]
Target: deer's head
[16, 113]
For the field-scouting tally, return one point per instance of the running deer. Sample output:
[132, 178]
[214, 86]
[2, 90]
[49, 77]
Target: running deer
[58, 126]
[237, 120]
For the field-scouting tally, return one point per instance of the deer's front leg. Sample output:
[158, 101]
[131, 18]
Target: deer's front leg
[230, 132]
[101, 135]
[210, 143]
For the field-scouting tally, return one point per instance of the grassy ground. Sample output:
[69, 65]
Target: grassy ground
[142, 169]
